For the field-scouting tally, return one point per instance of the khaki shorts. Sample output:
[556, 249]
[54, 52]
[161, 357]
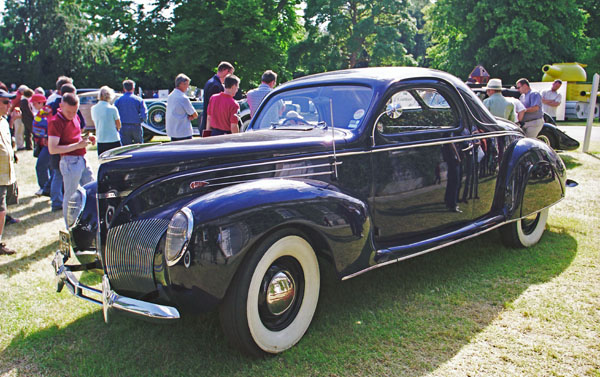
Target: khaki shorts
[3, 191]
[533, 127]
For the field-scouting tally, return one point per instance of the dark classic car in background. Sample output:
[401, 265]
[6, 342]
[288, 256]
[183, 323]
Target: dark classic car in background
[157, 114]
[549, 134]
[351, 169]
[155, 124]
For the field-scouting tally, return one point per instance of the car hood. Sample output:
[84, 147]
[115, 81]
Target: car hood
[126, 168]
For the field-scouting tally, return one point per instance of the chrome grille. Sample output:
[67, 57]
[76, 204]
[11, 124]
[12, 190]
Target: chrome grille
[129, 255]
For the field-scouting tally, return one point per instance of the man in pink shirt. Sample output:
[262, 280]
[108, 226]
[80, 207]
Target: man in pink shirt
[64, 138]
[222, 110]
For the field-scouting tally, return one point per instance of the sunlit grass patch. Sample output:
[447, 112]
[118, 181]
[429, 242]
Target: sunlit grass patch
[475, 308]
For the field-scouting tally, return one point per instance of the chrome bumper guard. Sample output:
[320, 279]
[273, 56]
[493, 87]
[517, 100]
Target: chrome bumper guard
[109, 299]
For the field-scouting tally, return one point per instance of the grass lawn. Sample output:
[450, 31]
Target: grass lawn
[473, 309]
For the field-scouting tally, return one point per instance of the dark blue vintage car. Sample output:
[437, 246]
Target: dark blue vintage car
[353, 169]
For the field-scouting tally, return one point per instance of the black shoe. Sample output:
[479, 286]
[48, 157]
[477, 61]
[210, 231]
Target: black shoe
[455, 209]
[4, 250]
[11, 220]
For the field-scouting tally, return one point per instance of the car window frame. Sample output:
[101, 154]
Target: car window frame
[445, 89]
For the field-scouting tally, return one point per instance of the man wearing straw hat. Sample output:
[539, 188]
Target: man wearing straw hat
[496, 103]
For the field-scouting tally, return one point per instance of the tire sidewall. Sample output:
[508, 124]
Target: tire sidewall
[278, 341]
[533, 237]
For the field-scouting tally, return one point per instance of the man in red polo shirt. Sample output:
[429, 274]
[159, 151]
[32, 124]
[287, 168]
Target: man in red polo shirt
[64, 138]
[222, 109]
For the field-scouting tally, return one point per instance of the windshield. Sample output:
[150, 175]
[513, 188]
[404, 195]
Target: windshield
[344, 106]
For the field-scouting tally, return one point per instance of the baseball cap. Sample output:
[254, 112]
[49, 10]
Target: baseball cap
[38, 98]
[5, 94]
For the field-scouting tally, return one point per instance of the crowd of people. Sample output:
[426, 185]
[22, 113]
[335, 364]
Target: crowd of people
[529, 109]
[53, 128]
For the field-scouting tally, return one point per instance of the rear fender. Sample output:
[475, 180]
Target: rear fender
[532, 177]
[230, 222]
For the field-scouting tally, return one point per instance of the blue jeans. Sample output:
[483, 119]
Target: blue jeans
[42, 170]
[75, 172]
[131, 134]
[56, 188]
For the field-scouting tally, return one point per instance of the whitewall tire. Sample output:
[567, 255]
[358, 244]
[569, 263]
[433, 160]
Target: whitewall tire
[525, 232]
[271, 303]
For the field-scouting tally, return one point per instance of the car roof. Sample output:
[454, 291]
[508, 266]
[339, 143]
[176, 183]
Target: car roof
[375, 77]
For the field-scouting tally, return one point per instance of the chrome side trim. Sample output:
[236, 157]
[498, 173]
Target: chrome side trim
[113, 194]
[109, 299]
[421, 252]
[442, 142]
[122, 194]
[276, 171]
[287, 177]
[103, 160]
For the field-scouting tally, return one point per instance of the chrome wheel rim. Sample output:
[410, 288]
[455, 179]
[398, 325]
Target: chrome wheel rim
[280, 296]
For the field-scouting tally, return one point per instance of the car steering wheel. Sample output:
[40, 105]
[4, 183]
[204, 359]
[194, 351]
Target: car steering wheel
[298, 121]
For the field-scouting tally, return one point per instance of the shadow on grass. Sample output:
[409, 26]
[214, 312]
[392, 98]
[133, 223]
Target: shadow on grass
[403, 319]
[42, 210]
[570, 161]
[21, 264]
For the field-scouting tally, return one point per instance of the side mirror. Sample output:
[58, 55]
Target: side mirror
[571, 183]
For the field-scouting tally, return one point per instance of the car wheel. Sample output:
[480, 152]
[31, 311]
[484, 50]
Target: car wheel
[273, 298]
[157, 115]
[244, 124]
[526, 231]
[547, 139]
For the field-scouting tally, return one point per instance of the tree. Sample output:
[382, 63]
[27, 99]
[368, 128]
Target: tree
[42, 39]
[590, 55]
[355, 33]
[253, 35]
[510, 39]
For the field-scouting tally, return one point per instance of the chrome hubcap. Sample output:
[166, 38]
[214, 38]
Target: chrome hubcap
[158, 117]
[281, 293]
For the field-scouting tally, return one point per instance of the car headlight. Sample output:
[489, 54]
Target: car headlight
[75, 206]
[179, 233]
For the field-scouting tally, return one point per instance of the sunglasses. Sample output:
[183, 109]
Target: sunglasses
[6, 102]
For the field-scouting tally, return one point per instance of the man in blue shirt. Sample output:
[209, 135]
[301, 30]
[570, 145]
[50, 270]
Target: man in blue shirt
[255, 96]
[132, 111]
[534, 116]
[214, 86]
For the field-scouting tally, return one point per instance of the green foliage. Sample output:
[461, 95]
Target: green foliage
[590, 55]
[355, 33]
[43, 39]
[510, 39]
[253, 35]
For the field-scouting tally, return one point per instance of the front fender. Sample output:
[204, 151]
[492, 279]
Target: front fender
[532, 177]
[230, 222]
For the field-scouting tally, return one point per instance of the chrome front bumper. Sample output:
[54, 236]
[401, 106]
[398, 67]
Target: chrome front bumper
[109, 299]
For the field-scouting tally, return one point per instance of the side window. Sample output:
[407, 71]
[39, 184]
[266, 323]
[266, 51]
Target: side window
[417, 109]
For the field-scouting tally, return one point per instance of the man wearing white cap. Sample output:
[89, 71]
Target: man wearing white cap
[496, 103]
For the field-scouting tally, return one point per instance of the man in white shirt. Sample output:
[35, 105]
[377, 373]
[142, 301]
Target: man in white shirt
[180, 111]
[551, 99]
[255, 96]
